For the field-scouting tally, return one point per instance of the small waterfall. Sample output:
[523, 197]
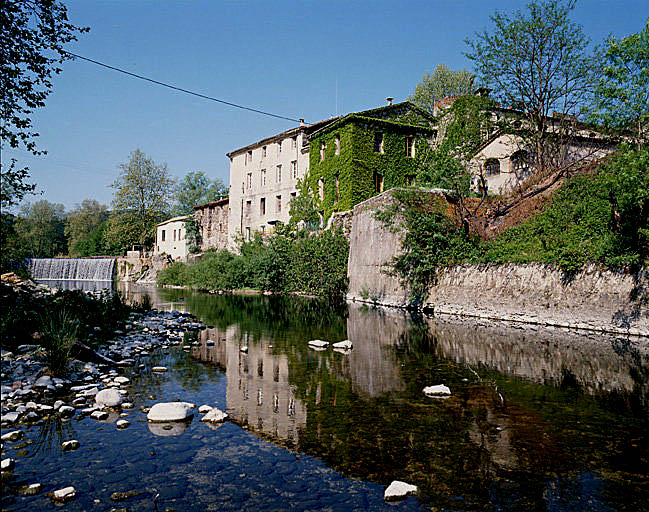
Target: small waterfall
[75, 269]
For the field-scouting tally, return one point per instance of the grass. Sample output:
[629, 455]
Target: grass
[59, 329]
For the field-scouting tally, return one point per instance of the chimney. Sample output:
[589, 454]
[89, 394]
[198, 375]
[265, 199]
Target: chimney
[389, 100]
[301, 122]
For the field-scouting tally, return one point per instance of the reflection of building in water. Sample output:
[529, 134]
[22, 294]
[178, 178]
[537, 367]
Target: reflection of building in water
[258, 393]
[134, 293]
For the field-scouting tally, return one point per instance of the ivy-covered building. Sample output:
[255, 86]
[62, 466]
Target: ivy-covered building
[364, 153]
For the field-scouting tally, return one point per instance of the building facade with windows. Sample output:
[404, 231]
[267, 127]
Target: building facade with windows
[264, 178]
[171, 238]
[212, 223]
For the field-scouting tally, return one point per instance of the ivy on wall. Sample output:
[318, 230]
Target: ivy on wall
[355, 165]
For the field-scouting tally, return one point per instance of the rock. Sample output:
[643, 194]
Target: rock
[159, 369]
[30, 490]
[66, 411]
[73, 444]
[7, 464]
[205, 408]
[209, 343]
[58, 404]
[399, 490]
[170, 411]
[108, 398]
[99, 415]
[440, 390]
[122, 380]
[122, 423]
[119, 496]
[10, 417]
[169, 429]
[318, 344]
[43, 382]
[244, 349]
[127, 405]
[215, 416]
[343, 345]
[64, 494]
[14, 435]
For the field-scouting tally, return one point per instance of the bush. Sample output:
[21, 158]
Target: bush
[58, 331]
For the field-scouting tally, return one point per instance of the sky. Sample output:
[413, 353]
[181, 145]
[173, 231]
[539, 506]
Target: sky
[304, 59]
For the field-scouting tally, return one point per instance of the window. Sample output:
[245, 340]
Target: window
[338, 144]
[262, 179]
[247, 238]
[263, 230]
[249, 180]
[163, 235]
[262, 206]
[294, 142]
[174, 235]
[322, 151]
[321, 189]
[243, 187]
[279, 174]
[410, 181]
[410, 146]
[248, 207]
[279, 147]
[520, 161]
[220, 227]
[294, 169]
[263, 151]
[249, 157]
[293, 195]
[278, 204]
[378, 142]
[378, 183]
[492, 167]
[337, 183]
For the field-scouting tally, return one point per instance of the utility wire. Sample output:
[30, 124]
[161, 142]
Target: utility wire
[181, 89]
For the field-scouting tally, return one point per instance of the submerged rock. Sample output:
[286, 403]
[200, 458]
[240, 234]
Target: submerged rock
[14, 435]
[398, 490]
[73, 444]
[440, 390]
[109, 398]
[30, 490]
[119, 496]
[170, 411]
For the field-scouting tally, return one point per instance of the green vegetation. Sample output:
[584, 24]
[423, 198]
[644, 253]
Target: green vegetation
[58, 332]
[85, 228]
[286, 262]
[439, 84]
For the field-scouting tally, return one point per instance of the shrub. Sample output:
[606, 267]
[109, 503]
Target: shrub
[58, 331]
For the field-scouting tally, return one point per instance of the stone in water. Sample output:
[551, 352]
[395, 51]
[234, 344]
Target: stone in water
[108, 398]
[318, 344]
[170, 411]
[437, 391]
[399, 490]
[215, 416]
[64, 494]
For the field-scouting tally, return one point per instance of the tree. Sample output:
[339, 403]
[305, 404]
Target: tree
[536, 64]
[41, 229]
[142, 198]
[621, 98]
[441, 83]
[196, 188]
[85, 228]
[32, 39]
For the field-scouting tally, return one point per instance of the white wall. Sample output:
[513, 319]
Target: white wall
[174, 243]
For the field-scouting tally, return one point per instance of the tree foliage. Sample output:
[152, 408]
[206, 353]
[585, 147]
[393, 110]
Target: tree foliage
[622, 89]
[196, 188]
[142, 198]
[85, 228]
[32, 39]
[535, 62]
[41, 229]
[439, 84]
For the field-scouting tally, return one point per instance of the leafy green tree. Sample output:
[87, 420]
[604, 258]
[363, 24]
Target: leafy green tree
[304, 208]
[196, 188]
[536, 63]
[622, 90]
[439, 84]
[85, 228]
[32, 39]
[142, 198]
[41, 229]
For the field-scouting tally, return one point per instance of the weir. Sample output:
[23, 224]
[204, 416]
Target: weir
[76, 269]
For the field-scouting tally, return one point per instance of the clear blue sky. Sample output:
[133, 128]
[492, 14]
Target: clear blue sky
[276, 56]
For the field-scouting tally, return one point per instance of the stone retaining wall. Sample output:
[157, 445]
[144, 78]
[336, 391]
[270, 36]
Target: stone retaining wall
[593, 298]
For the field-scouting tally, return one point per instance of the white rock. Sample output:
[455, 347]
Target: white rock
[159, 369]
[438, 390]
[109, 398]
[12, 436]
[10, 417]
[205, 408]
[318, 344]
[170, 411]
[73, 444]
[127, 405]
[399, 490]
[122, 423]
[343, 345]
[64, 494]
[122, 380]
[7, 464]
[215, 416]
[244, 349]
[99, 415]
[66, 411]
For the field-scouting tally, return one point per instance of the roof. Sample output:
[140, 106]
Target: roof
[219, 202]
[307, 128]
[175, 219]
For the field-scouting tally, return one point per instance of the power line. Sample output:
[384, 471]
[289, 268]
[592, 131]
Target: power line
[181, 89]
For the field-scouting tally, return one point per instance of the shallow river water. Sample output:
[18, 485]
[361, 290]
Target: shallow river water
[539, 419]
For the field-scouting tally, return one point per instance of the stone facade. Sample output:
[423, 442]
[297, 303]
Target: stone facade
[212, 220]
[171, 238]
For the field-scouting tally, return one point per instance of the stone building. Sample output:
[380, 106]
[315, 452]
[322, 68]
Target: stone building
[170, 238]
[212, 222]
[263, 179]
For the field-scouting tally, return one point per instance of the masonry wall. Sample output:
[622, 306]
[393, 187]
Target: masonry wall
[212, 220]
[593, 298]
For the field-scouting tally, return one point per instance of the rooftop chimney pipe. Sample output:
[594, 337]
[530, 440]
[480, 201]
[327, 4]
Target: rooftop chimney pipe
[389, 100]
[301, 122]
